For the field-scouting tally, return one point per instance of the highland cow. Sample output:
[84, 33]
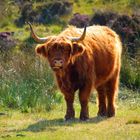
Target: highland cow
[83, 60]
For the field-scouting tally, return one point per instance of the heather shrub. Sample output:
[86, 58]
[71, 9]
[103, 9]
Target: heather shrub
[7, 41]
[128, 27]
[48, 12]
[79, 20]
[103, 18]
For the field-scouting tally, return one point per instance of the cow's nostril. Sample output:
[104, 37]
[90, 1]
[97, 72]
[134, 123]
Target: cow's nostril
[58, 63]
[55, 61]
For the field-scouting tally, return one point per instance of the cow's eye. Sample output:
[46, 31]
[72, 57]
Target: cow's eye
[67, 48]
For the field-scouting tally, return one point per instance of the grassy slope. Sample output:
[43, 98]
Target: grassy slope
[89, 6]
[51, 126]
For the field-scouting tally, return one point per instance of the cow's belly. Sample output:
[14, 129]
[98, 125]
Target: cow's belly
[104, 69]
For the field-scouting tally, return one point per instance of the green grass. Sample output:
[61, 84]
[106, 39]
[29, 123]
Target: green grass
[90, 6]
[130, 72]
[51, 126]
[26, 83]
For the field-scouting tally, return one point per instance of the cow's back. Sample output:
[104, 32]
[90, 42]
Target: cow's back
[106, 50]
[103, 46]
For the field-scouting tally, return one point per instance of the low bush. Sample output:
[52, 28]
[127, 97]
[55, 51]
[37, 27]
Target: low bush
[103, 18]
[48, 12]
[128, 27]
[79, 20]
[7, 42]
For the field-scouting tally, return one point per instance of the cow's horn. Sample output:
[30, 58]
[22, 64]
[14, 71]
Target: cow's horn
[35, 37]
[77, 39]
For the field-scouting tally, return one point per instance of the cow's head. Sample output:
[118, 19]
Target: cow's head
[59, 50]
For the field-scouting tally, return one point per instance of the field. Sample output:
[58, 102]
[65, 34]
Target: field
[32, 107]
[51, 125]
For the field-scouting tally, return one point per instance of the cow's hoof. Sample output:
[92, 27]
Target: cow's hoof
[84, 118]
[70, 115]
[69, 118]
[101, 114]
[111, 112]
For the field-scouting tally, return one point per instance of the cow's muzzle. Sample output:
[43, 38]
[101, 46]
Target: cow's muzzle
[57, 64]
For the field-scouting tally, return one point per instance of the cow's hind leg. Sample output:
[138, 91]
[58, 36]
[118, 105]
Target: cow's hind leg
[112, 91]
[102, 100]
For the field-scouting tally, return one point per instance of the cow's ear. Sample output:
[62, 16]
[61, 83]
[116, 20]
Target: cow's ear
[41, 50]
[77, 49]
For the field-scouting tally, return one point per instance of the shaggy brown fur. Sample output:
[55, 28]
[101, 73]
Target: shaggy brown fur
[93, 63]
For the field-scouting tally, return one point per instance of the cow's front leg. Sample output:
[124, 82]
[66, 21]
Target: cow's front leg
[84, 94]
[70, 113]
